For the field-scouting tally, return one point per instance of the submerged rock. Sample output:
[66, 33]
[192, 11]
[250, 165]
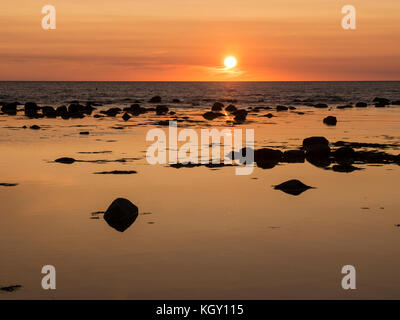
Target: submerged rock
[117, 172]
[34, 127]
[330, 121]
[4, 184]
[293, 187]
[321, 105]
[121, 214]
[11, 288]
[65, 160]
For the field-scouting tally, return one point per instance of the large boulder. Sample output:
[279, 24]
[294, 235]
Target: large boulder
[121, 214]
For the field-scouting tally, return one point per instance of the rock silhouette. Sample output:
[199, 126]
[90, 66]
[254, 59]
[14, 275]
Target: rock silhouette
[155, 99]
[293, 187]
[65, 160]
[330, 121]
[217, 106]
[121, 214]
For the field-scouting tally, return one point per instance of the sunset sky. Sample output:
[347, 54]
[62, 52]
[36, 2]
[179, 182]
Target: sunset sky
[188, 40]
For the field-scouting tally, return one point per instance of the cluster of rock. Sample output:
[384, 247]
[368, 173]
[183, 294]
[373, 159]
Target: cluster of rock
[317, 151]
[239, 115]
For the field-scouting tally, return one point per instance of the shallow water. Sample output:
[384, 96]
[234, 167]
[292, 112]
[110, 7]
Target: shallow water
[201, 232]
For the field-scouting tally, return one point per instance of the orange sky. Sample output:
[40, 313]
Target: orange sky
[187, 40]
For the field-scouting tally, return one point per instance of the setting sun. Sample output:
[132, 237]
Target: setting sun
[230, 62]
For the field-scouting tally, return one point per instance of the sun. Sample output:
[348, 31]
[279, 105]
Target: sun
[230, 62]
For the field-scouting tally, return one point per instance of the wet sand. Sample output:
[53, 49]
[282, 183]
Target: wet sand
[207, 233]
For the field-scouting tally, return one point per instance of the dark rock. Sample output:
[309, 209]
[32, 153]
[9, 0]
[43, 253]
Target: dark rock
[112, 112]
[172, 113]
[49, 112]
[344, 152]
[380, 105]
[361, 105]
[281, 108]
[126, 117]
[31, 109]
[269, 115]
[292, 108]
[176, 101]
[240, 116]
[395, 103]
[267, 158]
[161, 110]
[345, 168]
[155, 99]
[210, 115]
[330, 121]
[4, 184]
[293, 187]
[308, 143]
[62, 111]
[117, 172]
[10, 108]
[11, 288]
[347, 106]
[217, 106]
[65, 160]
[381, 101]
[121, 214]
[294, 156]
[321, 105]
[318, 151]
[84, 132]
[34, 127]
[231, 108]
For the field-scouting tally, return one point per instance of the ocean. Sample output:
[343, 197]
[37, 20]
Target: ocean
[199, 94]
